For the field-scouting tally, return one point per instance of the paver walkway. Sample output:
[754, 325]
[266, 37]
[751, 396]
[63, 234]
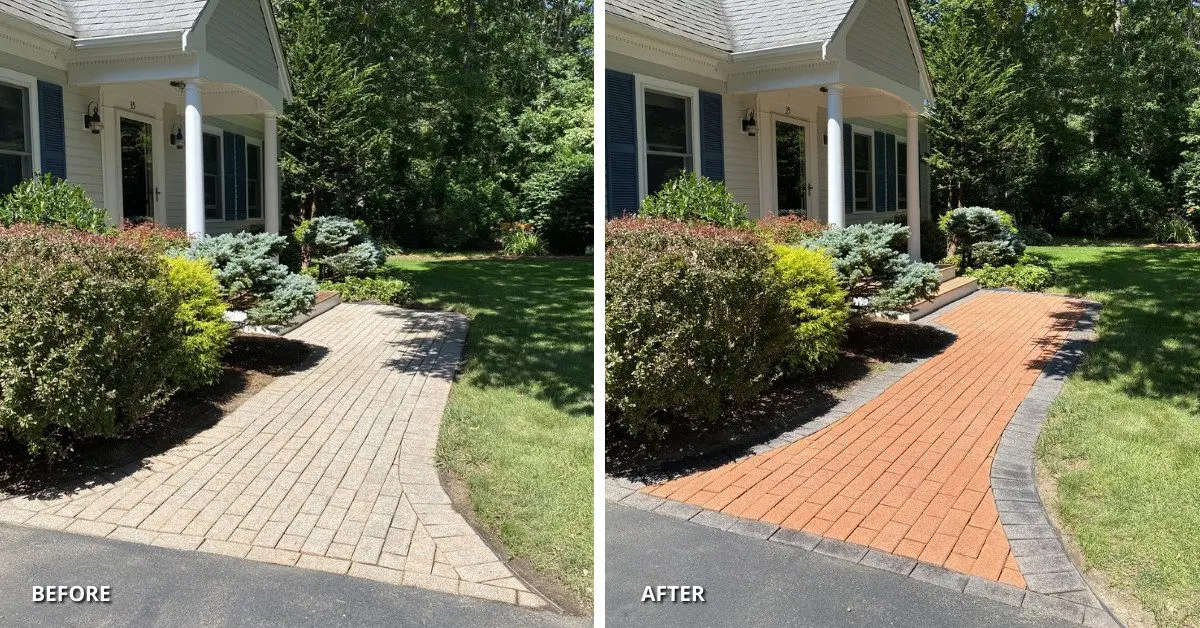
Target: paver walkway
[908, 472]
[331, 468]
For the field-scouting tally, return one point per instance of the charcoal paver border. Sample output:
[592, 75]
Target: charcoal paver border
[1057, 588]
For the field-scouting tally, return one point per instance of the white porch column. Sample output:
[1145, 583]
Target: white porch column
[193, 144]
[913, 181]
[271, 172]
[835, 166]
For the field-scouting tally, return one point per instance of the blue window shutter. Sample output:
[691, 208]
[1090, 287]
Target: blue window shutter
[880, 171]
[230, 178]
[52, 128]
[240, 159]
[848, 166]
[890, 143]
[620, 150]
[712, 140]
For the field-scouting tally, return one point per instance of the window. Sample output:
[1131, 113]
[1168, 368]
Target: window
[863, 181]
[669, 149]
[16, 146]
[254, 168]
[901, 175]
[213, 206]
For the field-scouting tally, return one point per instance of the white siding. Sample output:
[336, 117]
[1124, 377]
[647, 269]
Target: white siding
[237, 34]
[176, 194]
[741, 154]
[83, 147]
[878, 41]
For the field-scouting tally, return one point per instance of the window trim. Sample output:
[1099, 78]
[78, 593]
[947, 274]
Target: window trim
[901, 191]
[640, 84]
[870, 135]
[29, 83]
[262, 166]
[212, 129]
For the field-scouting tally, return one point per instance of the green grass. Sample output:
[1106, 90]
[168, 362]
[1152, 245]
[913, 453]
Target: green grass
[1123, 441]
[518, 428]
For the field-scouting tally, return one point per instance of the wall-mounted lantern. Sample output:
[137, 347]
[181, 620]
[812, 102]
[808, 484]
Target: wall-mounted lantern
[177, 136]
[749, 125]
[91, 118]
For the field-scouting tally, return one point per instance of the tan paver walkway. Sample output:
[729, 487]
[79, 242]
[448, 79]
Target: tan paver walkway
[330, 468]
[908, 473]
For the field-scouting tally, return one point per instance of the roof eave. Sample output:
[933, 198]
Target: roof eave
[676, 40]
[112, 41]
[37, 30]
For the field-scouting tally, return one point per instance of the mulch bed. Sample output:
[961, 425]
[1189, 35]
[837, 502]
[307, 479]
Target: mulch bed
[252, 363]
[688, 446]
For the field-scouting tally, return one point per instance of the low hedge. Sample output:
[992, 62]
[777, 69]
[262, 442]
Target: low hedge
[788, 229]
[96, 331]
[697, 321]
[389, 291]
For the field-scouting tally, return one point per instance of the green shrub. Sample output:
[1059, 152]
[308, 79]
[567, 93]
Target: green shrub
[933, 242]
[250, 278]
[389, 291]
[876, 275]
[338, 247]
[1034, 235]
[692, 198]
[1006, 221]
[201, 320]
[558, 202]
[981, 231]
[1174, 229]
[793, 230]
[1025, 277]
[1002, 252]
[818, 307]
[697, 321]
[45, 200]
[522, 241]
[89, 338]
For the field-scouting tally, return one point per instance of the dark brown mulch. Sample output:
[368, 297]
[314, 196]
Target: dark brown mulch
[688, 446]
[252, 363]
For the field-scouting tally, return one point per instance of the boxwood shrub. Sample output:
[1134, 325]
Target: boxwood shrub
[697, 321]
[91, 338]
[389, 291]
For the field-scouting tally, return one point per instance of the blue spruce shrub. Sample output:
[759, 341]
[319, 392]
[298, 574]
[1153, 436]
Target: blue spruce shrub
[876, 275]
[339, 247]
[252, 280]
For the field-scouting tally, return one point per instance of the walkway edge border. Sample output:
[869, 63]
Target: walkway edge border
[1055, 588]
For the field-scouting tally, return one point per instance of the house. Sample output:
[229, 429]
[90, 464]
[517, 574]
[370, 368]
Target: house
[161, 110]
[804, 107]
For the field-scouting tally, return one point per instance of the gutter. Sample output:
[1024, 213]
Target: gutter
[108, 41]
[775, 51]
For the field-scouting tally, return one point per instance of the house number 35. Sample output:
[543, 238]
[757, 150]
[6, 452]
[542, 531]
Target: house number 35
[132, 105]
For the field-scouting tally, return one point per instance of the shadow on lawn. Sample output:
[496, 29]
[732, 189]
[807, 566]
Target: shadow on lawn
[1149, 341]
[252, 362]
[688, 446]
[531, 324]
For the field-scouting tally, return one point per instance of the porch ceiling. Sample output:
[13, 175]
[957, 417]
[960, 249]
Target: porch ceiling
[857, 102]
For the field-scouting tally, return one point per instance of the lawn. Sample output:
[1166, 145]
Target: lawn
[518, 428]
[1123, 441]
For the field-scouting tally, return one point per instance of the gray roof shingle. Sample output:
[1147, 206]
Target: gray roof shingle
[738, 25]
[97, 18]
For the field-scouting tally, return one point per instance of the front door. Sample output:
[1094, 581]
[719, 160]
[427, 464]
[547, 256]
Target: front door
[791, 169]
[138, 192]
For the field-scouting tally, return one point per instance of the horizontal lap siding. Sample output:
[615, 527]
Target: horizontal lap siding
[878, 41]
[741, 155]
[84, 166]
[237, 34]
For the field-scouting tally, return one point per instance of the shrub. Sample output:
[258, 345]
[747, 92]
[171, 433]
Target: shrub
[338, 246]
[697, 321]
[1034, 235]
[792, 230]
[1002, 252]
[1025, 277]
[818, 307]
[1173, 229]
[558, 202]
[967, 227]
[692, 198]
[876, 275]
[521, 239]
[45, 200]
[389, 291]
[250, 278]
[200, 318]
[89, 340]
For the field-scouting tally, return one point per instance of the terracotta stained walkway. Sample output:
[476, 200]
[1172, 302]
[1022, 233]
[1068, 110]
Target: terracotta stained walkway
[908, 473]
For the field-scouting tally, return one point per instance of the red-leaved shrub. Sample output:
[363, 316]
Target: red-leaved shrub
[788, 229]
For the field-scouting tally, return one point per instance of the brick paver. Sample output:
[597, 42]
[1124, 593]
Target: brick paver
[908, 472]
[331, 468]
